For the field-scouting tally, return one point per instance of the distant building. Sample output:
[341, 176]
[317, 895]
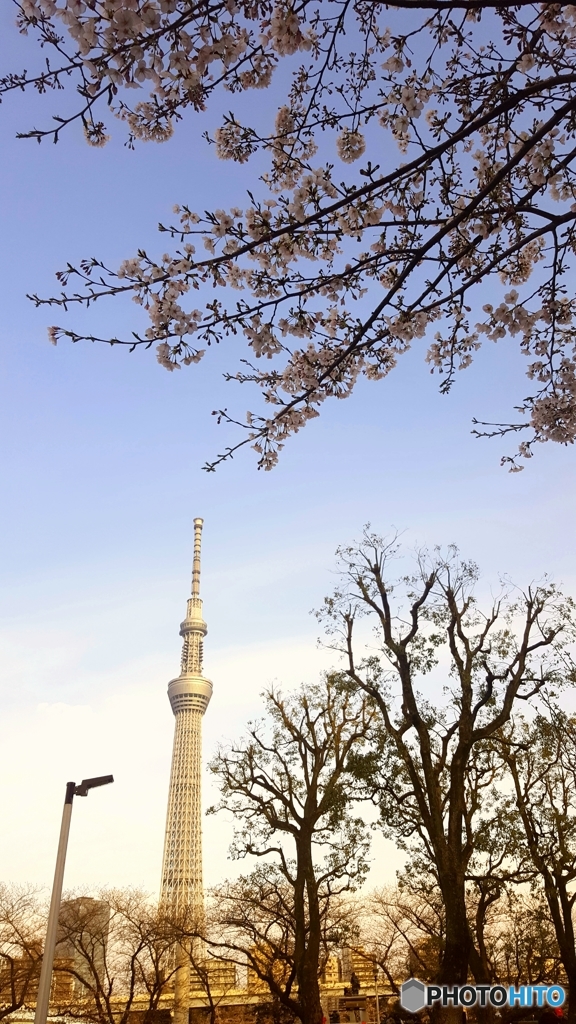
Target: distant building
[219, 976]
[19, 977]
[80, 953]
[331, 976]
[356, 960]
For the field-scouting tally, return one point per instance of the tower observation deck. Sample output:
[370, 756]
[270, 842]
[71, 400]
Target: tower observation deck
[189, 696]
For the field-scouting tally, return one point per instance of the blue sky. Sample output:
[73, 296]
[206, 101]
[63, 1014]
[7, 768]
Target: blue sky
[101, 471]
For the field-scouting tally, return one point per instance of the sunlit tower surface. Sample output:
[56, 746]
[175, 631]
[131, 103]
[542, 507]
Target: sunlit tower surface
[189, 696]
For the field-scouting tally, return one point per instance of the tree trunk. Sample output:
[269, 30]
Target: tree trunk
[570, 1010]
[458, 945]
[479, 963]
[560, 904]
[308, 933]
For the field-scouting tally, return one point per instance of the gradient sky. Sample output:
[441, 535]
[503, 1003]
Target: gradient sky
[101, 479]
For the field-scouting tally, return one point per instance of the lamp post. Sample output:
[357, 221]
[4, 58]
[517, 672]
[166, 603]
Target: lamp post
[72, 790]
[376, 993]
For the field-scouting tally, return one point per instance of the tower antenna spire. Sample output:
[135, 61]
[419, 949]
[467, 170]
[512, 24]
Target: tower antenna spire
[198, 523]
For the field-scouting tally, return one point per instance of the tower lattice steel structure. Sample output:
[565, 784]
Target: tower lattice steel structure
[189, 696]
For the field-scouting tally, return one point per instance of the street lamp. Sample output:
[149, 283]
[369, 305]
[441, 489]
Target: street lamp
[72, 790]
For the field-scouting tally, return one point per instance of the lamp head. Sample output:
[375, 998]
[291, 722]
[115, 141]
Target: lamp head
[86, 784]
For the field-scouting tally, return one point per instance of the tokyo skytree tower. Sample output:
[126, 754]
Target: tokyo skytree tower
[189, 696]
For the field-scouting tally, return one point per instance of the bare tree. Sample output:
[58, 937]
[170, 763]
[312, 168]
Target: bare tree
[21, 934]
[287, 786]
[342, 268]
[446, 677]
[407, 924]
[403, 928]
[541, 758]
[213, 975]
[117, 952]
[254, 924]
[522, 943]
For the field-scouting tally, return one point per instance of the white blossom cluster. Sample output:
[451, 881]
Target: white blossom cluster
[459, 177]
[350, 145]
[174, 49]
